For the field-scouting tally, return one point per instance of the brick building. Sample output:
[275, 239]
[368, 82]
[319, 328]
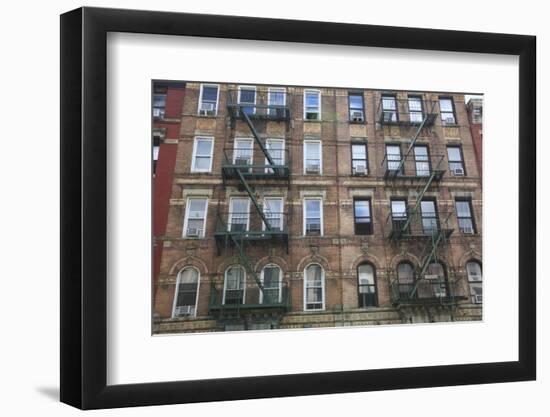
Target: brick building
[475, 117]
[296, 207]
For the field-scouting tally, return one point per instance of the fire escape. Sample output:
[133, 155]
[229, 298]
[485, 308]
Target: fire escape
[420, 223]
[253, 221]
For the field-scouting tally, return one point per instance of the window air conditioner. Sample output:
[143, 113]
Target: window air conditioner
[360, 169]
[357, 116]
[183, 311]
[431, 276]
[240, 160]
[194, 232]
[458, 172]
[207, 109]
[312, 169]
[468, 230]
[450, 120]
[478, 298]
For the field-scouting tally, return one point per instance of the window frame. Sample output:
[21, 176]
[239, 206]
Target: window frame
[394, 97]
[270, 90]
[194, 154]
[371, 231]
[280, 282]
[320, 143]
[249, 88]
[230, 217]
[160, 92]
[362, 109]
[422, 112]
[311, 90]
[398, 146]
[271, 140]
[444, 122]
[200, 99]
[462, 163]
[282, 218]
[375, 285]
[243, 139]
[365, 144]
[225, 282]
[323, 287]
[186, 216]
[428, 160]
[321, 214]
[176, 291]
[472, 219]
[470, 282]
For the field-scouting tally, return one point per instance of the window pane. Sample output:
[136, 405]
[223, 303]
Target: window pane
[427, 208]
[204, 147]
[197, 207]
[446, 105]
[474, 271]
[366, 274]
[398, 208]
[415, 104]
[209, 93]
[356, 101]
[453, 154]
[313, 208]
[463, 209]
[247, 95]
[388, 103]
[405, 273]
[362, 208]
[202, 163]
[312, 99]
[235, 278]
[313, 150]
[276, 97]
[271, 276]
[314, 276]
[359, 151]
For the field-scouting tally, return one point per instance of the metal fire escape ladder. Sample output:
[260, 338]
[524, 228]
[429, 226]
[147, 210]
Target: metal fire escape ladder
[246, 262]
[435, 240]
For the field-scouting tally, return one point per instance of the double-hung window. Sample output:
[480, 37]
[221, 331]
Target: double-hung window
[421, 161]
[416, 113]
[273, 212]
[187, 288]
[359, 159]
[208, 100]
[456, 164]
[159, 103]
[314, 288]
[398, 214]
[243, 153]
[272, 281]
[429, 217]
[473, 269]
[276, 150]
[313, 217]
[464, 216]
[239, 214]
[312, 105]
[447, 109]
[362, 216]
[234, 287]
[389, 109]
[313, 163]
[356, 107]
[276, 100]
[393, 157]
[366, 285]
[194, 224]
[247, 99]
[202, 154]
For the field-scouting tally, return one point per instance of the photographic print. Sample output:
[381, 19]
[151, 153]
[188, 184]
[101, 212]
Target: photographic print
[293, 207]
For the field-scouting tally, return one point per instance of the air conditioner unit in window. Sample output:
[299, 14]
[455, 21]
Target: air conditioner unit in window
[478, 298]
[458, 172]
[207, 109]
[194, 232]
[312, 169]
[182, 311]
[357, 116]
[467, 230]
[158, 112]
[450, 120]
[360, 169]
[242, 160]
[431, 276]
[314, 229]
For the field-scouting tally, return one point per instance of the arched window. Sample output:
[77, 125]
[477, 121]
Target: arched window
[234, 285]
[436, 282]
[405, 279]
[475, 281]
[272, 281]
[366, 285]
[187, 291]
[314, 288]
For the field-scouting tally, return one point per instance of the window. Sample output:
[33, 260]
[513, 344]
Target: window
[464, 215]
[202, 155]
[187, 291]
[159, 102]
[314, 288]
[389, 109]
[194, 224]
[435, 276]
[456, 165]
[273, 212]
[208, 100]
[312, 105]
[276, 150]
[356, 107]
[447, 108]
[359, 160]
[405, 279]
[477, 115]
[247, 99]
[313, 217]
[398, 214]
[393, 156]
[421, 161]
[473, 269]
[158, 138]
[272, 282]
[429, 217]
[416, 113]
[239, 214]
[276, 99]
[243, 152]
[313, 163]
[234, 285]
[366, 286]
[363, 221]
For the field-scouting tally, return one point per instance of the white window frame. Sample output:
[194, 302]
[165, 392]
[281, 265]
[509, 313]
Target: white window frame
[474, 282]
[320, 155]
[271, 140]
[225, 282]
[231, 199]
[319, 112]
[186, 217]
[280, 297]
[304, 216]
[248, 87]
[323, 292]
[282, 208]
[278, 90]
[251, 140]
[217, 98]
[174, 303]
[194, 155]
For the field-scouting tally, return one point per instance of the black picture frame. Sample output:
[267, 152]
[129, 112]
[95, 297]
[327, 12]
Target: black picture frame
[84, 207]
